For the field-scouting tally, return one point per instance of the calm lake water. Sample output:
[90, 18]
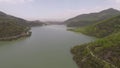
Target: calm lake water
[48, 47]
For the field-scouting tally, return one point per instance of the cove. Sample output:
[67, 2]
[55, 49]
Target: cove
[48, 47]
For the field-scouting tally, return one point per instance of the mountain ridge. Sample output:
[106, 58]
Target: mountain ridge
[91, 18]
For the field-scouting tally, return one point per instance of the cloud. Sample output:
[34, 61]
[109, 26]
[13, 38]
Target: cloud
[114, 4]
[115, 1]
[15, 1]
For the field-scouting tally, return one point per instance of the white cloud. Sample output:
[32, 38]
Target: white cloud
[15, 1]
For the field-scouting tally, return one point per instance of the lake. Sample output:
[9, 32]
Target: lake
[48, 47]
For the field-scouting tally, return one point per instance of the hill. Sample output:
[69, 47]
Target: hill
[36, 23]
[54, 22]
[103, 53]
[92, 18]
[102, 28]
[6, 17]
[12, 27]
[20, 21]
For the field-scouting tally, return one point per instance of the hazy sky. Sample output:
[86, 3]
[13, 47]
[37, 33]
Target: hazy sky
[54, 9]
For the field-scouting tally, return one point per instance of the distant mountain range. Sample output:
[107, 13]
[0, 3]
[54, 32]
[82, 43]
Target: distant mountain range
[92, 18]
[54, 22]
[36, 23]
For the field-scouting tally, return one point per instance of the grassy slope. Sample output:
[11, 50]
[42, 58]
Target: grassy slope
[101, 29]
[102, 53]
[10, 29]
[11, 26]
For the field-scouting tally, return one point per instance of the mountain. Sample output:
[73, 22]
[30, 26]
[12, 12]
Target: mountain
[20, 21]
[6, 17]
[36, 23]
[102, 28]
[92, 18]
[54, 22]
[103, 52]
[12, 27]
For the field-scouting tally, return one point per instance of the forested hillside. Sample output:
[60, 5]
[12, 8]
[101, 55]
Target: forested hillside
[102, 28]
[11, 26]
[104, 52]
[5, 17]
[92, 18]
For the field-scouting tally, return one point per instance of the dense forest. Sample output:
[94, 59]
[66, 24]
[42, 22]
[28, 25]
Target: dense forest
[11, 26]
[11, 29]
[103, 52]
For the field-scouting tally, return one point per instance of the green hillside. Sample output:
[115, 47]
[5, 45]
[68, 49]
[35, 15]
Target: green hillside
[103, 53]
[20, 21]
[5, 17]
[103, 28]
[12, 27]
[92, 18]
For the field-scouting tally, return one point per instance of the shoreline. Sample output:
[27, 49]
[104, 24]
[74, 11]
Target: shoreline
[24, 34]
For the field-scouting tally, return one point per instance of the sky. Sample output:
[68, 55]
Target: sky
[54, 10]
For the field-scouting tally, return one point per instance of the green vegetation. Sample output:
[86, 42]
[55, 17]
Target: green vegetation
[36, 23]
[101, 29]
[12, 27]
[104, 52]
[92, 18]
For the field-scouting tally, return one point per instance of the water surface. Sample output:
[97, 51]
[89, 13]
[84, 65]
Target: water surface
[48, 47]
